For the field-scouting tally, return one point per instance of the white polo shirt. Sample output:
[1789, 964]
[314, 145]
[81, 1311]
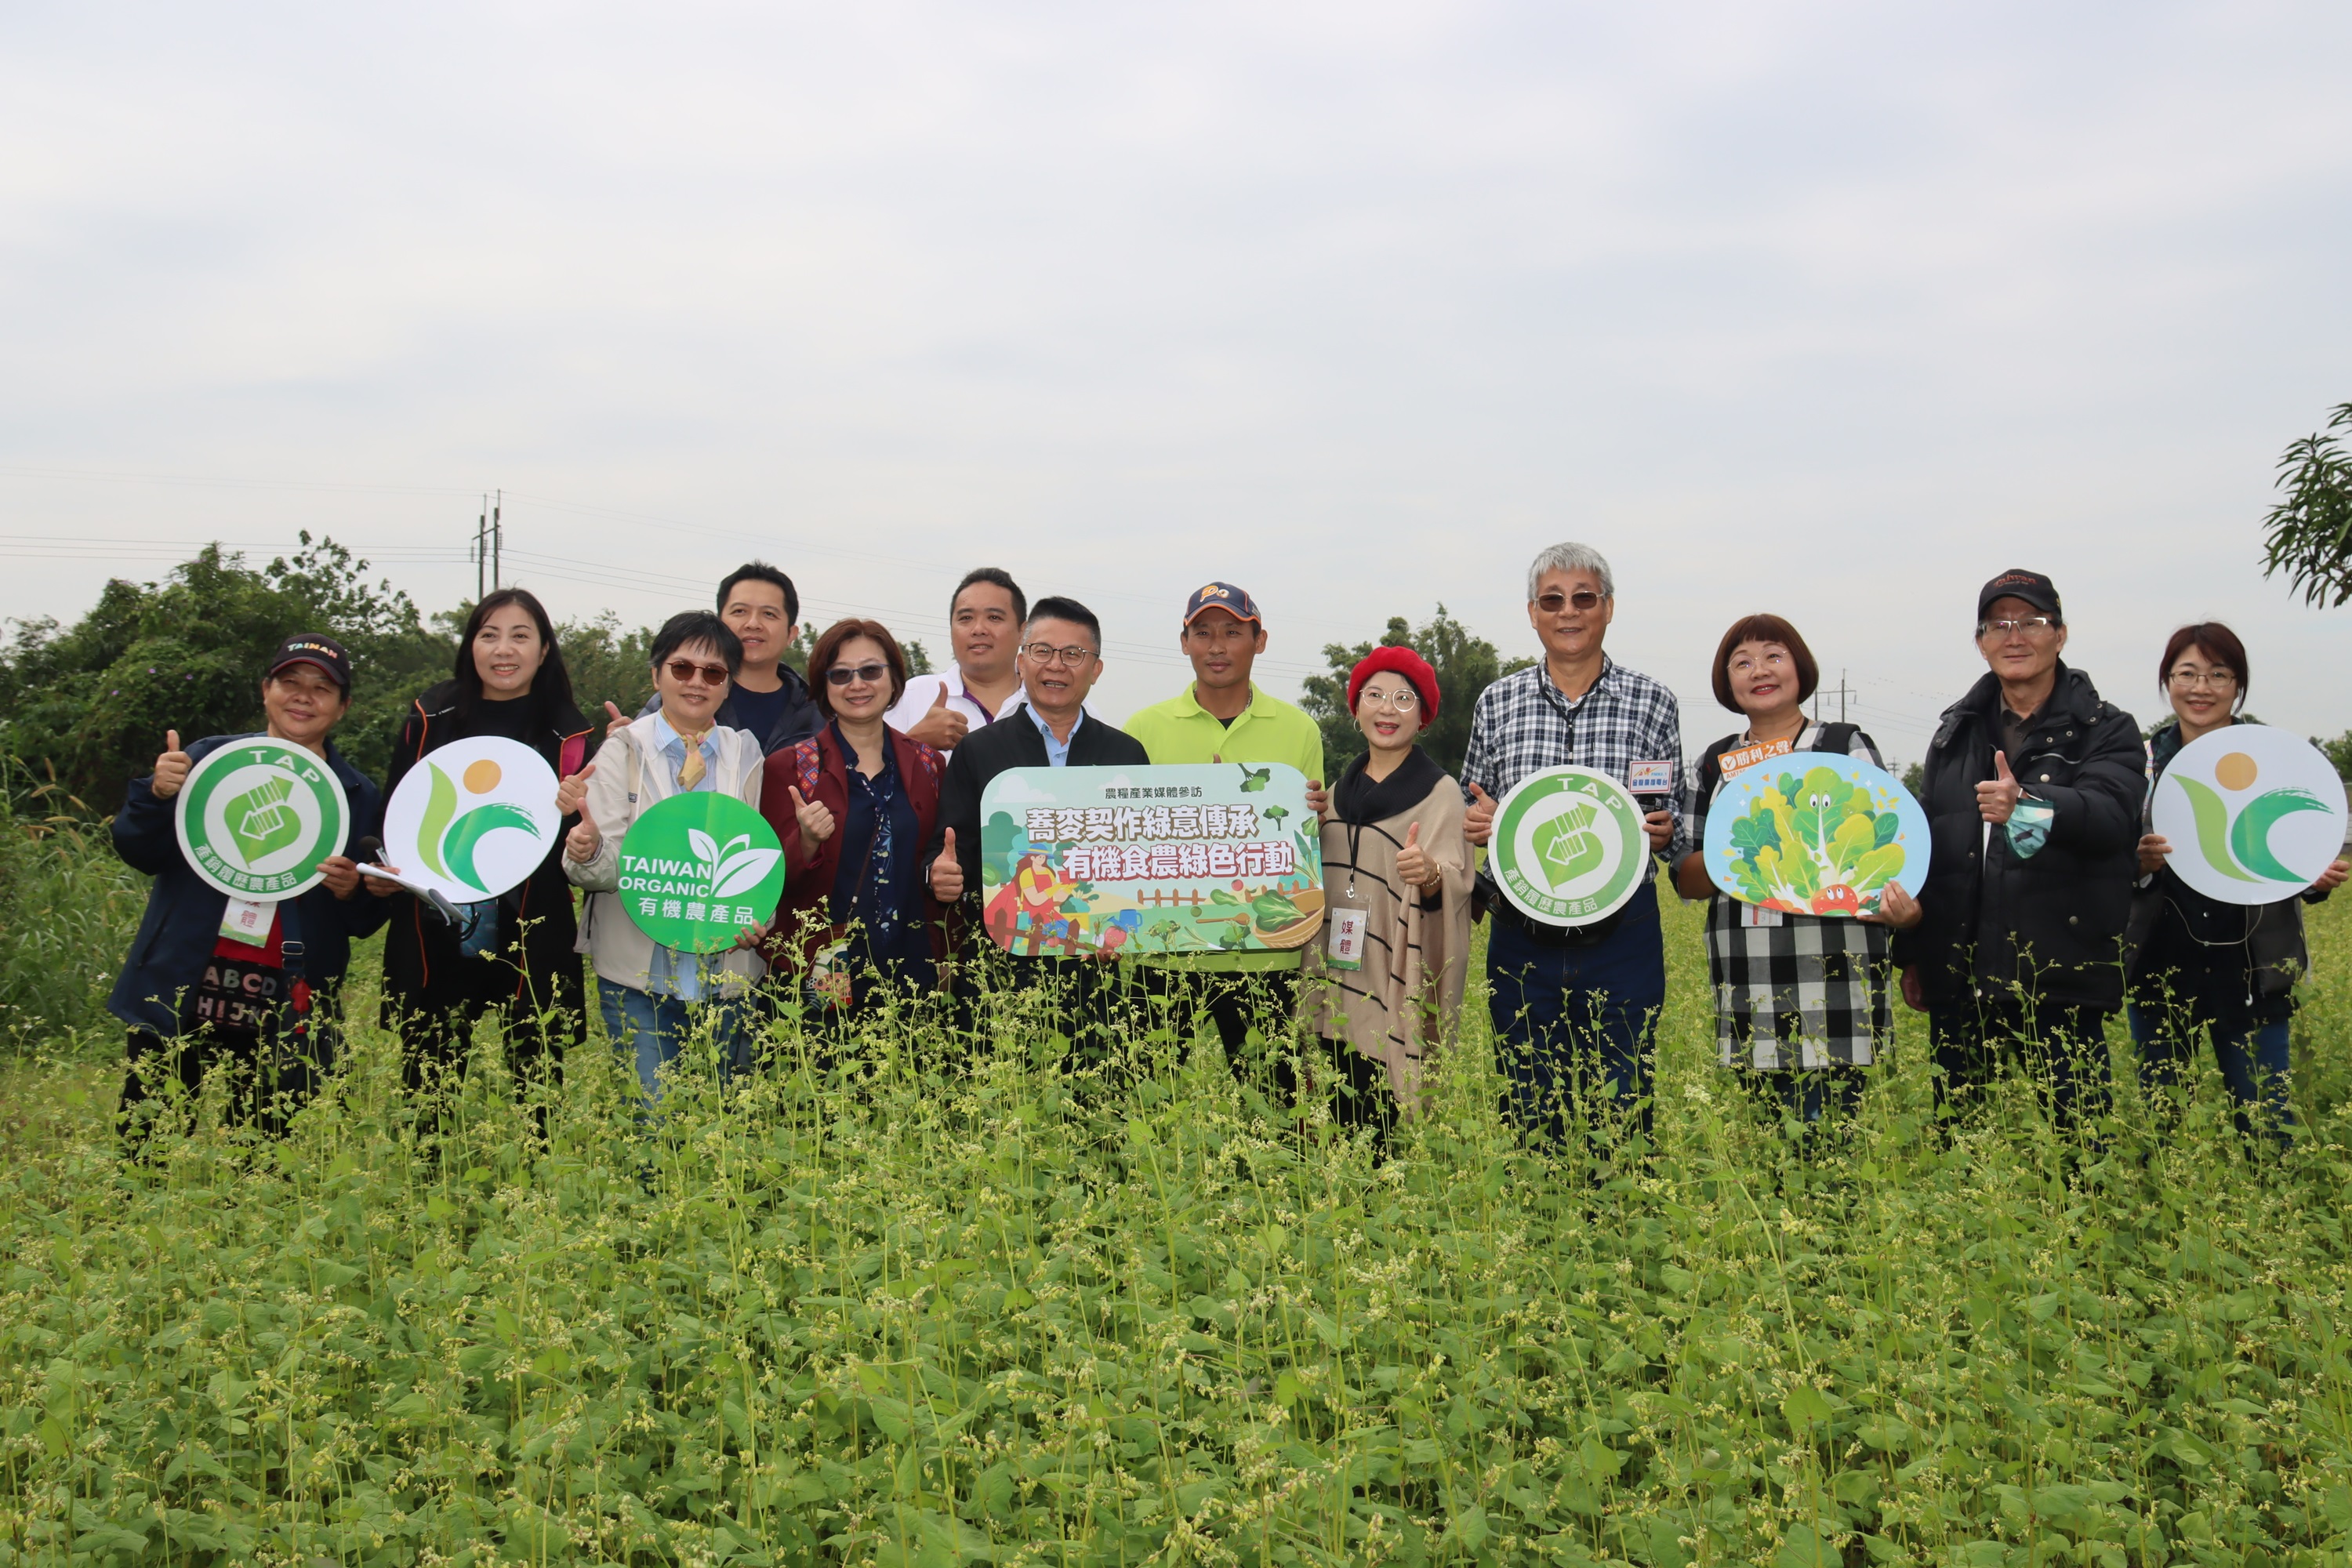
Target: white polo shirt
[922, 690]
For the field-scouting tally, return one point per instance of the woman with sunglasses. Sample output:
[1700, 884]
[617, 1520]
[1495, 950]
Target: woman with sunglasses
[853, 804]
[2197, 966]
[654, 997]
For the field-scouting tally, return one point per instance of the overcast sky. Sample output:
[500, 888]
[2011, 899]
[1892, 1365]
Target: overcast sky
[1833, 310]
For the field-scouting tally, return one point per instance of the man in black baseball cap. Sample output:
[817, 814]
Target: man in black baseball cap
[2032, 795]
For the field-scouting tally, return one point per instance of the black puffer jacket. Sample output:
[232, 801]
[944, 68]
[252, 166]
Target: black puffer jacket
[2052, 923]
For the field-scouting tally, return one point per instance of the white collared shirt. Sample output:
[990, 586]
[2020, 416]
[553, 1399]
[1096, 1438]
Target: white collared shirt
[922, 690]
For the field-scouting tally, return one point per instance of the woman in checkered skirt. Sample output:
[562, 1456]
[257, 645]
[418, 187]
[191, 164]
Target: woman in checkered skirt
[1803, 1002]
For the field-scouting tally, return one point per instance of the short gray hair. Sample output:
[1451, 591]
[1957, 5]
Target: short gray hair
[1572, 557]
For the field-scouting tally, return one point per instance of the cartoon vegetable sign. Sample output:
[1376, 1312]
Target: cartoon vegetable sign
[1814, 834]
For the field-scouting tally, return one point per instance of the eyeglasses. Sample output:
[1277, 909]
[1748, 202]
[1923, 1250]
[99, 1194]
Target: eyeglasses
[1046, 653]
[2215, 679]
[683, 670]
[1403, 702]
[2031, 626]
[842, 675]
[1554, 603]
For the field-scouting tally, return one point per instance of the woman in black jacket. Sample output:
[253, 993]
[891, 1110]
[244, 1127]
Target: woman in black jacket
[510, 956]
[2032, 794]
[2197, 965]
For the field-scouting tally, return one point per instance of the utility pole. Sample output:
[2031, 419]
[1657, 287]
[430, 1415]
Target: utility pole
[1844, 691]
[489, 538]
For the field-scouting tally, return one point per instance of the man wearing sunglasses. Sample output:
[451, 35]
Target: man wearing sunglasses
[1575, 1009]
[1060, 661]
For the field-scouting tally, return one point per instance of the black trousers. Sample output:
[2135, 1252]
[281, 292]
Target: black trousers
[1237, 1001]
[1096, 1003]
[269, 1078]
[1361, 1096]
[2061, 1045]
[437, 1042]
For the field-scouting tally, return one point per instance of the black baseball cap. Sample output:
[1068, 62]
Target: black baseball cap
[308, 647]
[1235, 601]
[2019, 584]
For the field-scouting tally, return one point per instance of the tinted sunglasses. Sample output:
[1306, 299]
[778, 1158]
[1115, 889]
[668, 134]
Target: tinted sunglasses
[683, 670]
[842, 675]
[1554, 603]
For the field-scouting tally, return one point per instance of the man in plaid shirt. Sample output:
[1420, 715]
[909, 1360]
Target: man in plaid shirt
[1575, 1009]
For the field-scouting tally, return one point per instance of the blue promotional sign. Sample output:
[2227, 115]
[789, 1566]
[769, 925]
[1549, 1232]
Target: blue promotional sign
[1814, 833]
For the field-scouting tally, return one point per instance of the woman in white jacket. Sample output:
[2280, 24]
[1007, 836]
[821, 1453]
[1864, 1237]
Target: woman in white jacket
[650, 995]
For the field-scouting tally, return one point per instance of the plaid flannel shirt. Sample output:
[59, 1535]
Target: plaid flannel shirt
[1523, 725]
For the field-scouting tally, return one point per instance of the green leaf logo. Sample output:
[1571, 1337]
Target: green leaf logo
[260, 820]
[2250, 836]
[467, 832]
[2213, 828]
[1567, 847]
[440, 806]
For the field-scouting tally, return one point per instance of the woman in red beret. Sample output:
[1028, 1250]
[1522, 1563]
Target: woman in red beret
[1388, 977]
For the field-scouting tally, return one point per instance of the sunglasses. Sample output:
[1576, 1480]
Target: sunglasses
[842, 675]
[1553, 602]
[683, 670]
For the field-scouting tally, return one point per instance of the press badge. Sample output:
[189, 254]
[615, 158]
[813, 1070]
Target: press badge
[1343, 947]
[1649, 778]
[247, 921]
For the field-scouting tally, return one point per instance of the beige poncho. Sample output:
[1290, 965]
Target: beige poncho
[1402, 1003]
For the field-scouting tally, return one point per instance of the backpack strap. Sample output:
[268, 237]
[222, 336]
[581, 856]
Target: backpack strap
[1837, 738]
[572, 756]
[1710, 767]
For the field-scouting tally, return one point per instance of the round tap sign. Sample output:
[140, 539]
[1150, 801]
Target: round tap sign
[255, 818]
[1568, 846]
[699, 869]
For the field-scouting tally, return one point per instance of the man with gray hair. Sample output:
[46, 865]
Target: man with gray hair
[1575, 1009]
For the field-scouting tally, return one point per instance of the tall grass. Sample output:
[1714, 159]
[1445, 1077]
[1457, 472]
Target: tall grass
[916, 1316]
[67, 909]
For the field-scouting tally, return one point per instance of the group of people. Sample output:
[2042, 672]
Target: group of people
[2049, 908]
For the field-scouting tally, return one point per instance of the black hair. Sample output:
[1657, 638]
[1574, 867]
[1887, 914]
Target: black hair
[690, 626]
[760, 572]
[1056, 608]
[551, 688]
[1000, 578]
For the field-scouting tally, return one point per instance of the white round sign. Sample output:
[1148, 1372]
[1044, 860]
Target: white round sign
[1568, 846]
[472, 819]
[2253, 814]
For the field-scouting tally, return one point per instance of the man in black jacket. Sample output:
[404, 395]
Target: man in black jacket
[1060, 660]
[767, 699]
[2032, 795]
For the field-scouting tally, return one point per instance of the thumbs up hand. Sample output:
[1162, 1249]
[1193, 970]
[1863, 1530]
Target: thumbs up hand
[947, 873]
[1415, 864]
[572, 793]
[941, 728]
[817, 822]
[1998, 796]
[620, 720]
[582, 842]
[1319, 800]
[171, 768]
[1479, 825]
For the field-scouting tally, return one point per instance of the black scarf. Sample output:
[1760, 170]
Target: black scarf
[1359, 801]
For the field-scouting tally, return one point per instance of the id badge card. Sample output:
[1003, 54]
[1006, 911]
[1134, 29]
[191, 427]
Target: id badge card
[1754, 916]
[1650, 778]
[248, 921]
[1343, 941]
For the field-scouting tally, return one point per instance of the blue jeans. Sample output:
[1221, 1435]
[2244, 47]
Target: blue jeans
[653, 1030]
[1575, 1024]
[2170, 1010]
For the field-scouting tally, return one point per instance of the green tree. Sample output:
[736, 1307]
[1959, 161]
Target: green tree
[2339, 751]
[1465, 664]
[2310, 530]
[89, 704]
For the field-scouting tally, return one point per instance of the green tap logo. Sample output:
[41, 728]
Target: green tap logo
[1568, 846]
[256, 816]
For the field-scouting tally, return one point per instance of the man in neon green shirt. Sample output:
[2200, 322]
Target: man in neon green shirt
[1222, 716]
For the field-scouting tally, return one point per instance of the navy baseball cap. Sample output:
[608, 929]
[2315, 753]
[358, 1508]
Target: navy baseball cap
[308, 647]
[1224, 596]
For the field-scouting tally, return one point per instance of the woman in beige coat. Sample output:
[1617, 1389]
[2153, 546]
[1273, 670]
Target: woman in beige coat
[1385, 984]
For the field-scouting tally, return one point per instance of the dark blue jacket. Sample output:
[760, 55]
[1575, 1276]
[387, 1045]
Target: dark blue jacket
[183, 912]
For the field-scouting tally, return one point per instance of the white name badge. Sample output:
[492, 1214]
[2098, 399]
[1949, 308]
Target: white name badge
[1344, 948]
[1650, 778]
[247, 921]
[1754, 915]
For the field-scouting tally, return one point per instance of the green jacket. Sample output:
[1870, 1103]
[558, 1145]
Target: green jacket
[1269, 731]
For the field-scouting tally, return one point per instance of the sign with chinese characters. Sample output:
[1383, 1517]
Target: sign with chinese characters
[473, 819]
[256, 816]
[1568, 846]
[1198, 858]
[2252, 814]
[1814, 833]
[698, 869]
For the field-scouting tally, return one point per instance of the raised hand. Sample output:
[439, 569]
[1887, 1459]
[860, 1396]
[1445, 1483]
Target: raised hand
[940, 728]
[171, 768]
[1318, 799]
[582, 842]
[620, 720]
[947, 873]
[1480, 822]
[817, 822]
[1415, 864]
[1998, 796]
[572, 793]
[2154, 850]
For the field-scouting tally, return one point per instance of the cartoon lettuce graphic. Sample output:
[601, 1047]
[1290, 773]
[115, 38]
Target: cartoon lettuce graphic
[1815, 844]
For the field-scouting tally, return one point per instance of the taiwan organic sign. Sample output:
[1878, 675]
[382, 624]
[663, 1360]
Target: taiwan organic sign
[472, 819]
[697, 870]
[2253, 815]
[1814, 833]
[1206, 857]
[255, 818]
[1568, 846]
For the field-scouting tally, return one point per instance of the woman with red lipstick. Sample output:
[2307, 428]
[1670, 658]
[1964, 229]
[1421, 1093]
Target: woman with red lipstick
[1802, 1001]
[2197, 966]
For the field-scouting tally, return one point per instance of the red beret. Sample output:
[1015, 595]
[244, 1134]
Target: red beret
[1404, 662]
